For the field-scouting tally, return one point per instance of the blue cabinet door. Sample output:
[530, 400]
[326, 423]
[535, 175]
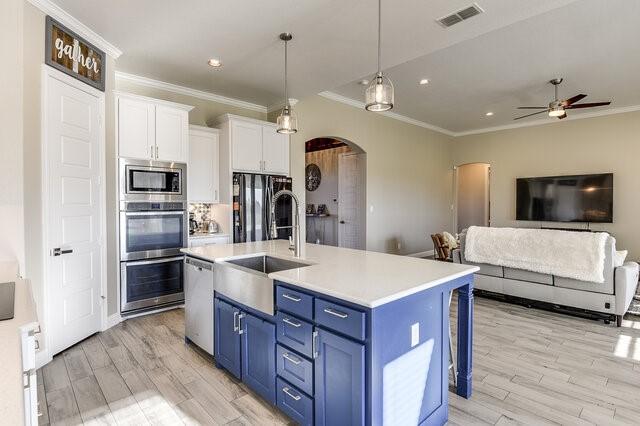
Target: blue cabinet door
[259, 356]
[339, 381]
[227, 337]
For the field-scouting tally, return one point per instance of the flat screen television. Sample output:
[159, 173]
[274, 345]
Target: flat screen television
[581, 198]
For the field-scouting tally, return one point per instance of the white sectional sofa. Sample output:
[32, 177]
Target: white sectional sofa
[613, 296]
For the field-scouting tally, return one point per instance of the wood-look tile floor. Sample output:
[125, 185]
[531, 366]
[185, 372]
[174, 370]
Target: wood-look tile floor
[530, 367]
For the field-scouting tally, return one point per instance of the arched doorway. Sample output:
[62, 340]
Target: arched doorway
[472, 195]
[335, 183]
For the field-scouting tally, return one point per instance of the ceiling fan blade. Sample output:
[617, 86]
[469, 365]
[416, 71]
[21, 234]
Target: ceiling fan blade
[575, 99]
[588, 105]
[560, 117]
[533, 107]
[529, 115]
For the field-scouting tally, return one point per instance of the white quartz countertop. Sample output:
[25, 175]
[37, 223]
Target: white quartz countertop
[11, 396]
[365, 278]
[208, 235]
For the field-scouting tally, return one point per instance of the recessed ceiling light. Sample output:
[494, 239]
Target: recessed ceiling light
[489, 114]
[424, 81]
[363, 82]
[216, 63]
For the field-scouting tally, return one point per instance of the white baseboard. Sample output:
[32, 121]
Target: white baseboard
[42, 358]
[112, 320]
[422, 254]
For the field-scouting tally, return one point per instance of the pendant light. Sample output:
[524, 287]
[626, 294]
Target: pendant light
[379, 93]
[287, 121]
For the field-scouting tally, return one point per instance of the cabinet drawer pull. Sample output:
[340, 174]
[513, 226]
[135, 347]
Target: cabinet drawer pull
[37, 345]
[292, 298]
[336, 313]
[240, 329]
[291, 323]
[291, 358]
[314, 345]
[292, 396]
[236, 324]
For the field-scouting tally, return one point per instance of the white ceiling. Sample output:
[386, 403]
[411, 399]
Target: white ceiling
[495, 61]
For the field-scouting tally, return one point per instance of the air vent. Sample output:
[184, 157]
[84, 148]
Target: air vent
[460, 15]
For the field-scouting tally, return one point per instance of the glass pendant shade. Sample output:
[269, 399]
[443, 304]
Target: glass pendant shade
[379, 94]
[287, 121]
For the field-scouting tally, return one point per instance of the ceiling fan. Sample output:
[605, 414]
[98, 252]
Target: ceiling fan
[557, 108]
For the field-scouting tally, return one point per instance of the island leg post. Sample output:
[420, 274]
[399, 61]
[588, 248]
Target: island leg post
[465, 339]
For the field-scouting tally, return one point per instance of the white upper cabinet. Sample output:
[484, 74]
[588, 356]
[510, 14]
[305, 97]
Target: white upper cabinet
[203, 179]
[246, 138]
[172, 134]
[152, 129]
[275, 151]
[253, 146]
[136, 128]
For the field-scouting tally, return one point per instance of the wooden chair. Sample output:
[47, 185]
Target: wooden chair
[440, 250]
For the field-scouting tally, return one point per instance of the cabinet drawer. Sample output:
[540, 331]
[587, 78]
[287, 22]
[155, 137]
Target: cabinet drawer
[295, 369]
[295, 333]
[340, 318]
[294, 403]
[295, 302]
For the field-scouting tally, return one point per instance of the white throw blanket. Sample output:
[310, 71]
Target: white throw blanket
[577, 255]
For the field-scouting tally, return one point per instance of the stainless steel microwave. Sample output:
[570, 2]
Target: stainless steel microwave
[145, 180]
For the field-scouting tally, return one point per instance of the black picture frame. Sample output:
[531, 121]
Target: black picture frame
[50, 23]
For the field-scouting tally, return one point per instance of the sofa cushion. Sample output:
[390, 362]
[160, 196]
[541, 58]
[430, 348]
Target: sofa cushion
[522, 275]
[486, 269]
[606, 287]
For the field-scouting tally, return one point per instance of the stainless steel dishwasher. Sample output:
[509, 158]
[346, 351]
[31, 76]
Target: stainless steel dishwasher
[198, 303]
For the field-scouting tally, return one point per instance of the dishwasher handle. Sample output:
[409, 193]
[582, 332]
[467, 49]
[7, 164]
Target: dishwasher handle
[200, 265]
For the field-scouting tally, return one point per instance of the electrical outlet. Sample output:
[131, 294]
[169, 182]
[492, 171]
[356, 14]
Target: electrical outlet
[415, 334]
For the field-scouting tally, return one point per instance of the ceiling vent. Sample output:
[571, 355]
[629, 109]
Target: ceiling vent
[460, 15]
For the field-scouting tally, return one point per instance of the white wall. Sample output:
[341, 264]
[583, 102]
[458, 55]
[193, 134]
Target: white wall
[11, 146]
[409, 172]
[592, 145]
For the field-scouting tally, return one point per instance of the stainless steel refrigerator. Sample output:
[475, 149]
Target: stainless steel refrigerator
[252, 195]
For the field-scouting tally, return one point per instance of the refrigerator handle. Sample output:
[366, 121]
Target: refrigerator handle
[268, 198]
[241, 210]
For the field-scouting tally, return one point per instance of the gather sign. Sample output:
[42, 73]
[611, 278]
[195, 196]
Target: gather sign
[73, 55]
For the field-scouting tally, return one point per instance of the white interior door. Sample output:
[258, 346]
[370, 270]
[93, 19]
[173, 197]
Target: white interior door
[351, 208]
[73, 137]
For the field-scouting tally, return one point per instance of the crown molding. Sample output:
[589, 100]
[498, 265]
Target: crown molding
[542, 122]
[182, 90]
[357, 104]
[280, 105]
[62, 16]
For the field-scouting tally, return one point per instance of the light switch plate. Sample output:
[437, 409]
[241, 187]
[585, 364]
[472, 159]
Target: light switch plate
[415, 334]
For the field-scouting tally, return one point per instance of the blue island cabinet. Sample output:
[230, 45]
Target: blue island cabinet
[339, 381]
[245, 346]
[325, 361]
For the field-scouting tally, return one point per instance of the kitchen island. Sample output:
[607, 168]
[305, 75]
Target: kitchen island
[347, 337]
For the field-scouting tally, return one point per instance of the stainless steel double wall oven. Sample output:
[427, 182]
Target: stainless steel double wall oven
[153, 229]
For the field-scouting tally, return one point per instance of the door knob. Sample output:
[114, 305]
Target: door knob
[342, 222]
[58, 251]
